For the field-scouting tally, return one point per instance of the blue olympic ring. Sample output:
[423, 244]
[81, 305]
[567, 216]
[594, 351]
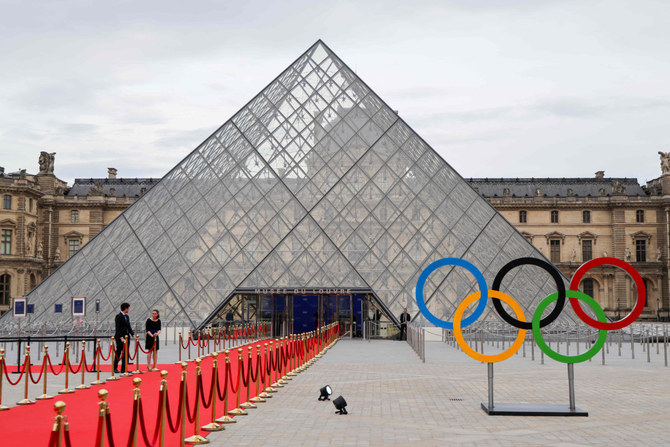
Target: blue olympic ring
[483, 288]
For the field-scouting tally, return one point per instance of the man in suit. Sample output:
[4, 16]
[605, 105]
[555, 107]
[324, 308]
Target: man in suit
[123, 329]
[404, 319]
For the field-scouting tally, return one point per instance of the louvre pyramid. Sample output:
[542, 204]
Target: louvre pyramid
[315, 183]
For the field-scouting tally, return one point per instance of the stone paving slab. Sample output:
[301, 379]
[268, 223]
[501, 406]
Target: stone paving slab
[395, 399]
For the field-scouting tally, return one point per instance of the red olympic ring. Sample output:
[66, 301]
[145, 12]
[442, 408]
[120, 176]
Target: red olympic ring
[641, 294]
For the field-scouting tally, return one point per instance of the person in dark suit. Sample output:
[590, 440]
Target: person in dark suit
[404, 319]
[123, 329]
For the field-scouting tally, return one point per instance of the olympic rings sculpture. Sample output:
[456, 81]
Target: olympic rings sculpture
[537, 322]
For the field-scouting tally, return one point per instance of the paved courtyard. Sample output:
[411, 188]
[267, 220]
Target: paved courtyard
[395, 399]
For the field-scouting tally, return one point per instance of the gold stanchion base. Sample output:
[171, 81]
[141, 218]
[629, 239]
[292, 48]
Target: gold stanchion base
[126, 374]
[291, 374]
[43, 397]
[98, 382]
[212, 427]
[257, 399]
[265, 395]
[270, 389]
[238, 412]
[196, 439]
[3, 408]
[247, 405]
[66, 391]
[25, 402]
[282, 382]
[82, 387]
[277, 384]
[112, 379]
[226, 420]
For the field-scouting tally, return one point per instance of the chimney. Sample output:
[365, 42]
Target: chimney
[600, 174]
[111, 173]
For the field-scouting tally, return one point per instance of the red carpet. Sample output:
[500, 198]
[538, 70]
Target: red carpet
[31, 425]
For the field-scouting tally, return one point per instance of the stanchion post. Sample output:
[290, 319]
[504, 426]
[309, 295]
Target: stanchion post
[60, 423]
[490, 376]
[112, 357]
[196, 439]
[182, 433]
[571, 385]
[67, 390]
[213, 426]
[248, 403]
[126, 348]
[96, 360]
[2, 375]
[26, 371]
[276, 383]
[103, 411]
[82, 364]
[163, 409]
[137, 357]
[44, 394]
[225, 419]
[179, 347]
[258, 397]
[266, 386]
[190, 338]
[136, 403]
[238, 411]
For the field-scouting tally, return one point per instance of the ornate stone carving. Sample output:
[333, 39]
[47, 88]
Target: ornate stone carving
[628, 256]
[46, 162]
[665, 162]
[97, 189]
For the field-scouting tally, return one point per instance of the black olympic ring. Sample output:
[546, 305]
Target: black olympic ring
[560, 302]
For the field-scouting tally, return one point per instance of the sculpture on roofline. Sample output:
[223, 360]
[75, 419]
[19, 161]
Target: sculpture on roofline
[665, 162]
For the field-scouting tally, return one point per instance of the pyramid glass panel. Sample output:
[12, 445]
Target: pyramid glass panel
[316, 183]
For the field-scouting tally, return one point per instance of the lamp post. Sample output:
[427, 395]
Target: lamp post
[658, 309]
[618, 308]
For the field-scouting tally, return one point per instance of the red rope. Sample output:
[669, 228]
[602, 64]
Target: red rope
[7, 376]
[206, 403]
[246, 383]
[251, 372]
[110, 435]
[111, 350]
[230, 378]
[143, 427]
[190, 417]
[132, 357]
[44, 367]
[51, 367]
[225, 383]
[175, 427]
[133, 425]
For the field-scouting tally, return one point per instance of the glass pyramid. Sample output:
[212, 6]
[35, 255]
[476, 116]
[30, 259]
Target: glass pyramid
[316, 182]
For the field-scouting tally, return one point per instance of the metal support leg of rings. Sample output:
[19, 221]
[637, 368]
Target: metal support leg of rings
[522, 409]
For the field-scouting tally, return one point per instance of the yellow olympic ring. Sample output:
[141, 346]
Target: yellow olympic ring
[458, 334]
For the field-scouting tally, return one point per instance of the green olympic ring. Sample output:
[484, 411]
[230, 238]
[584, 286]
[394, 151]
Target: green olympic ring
[537, 332]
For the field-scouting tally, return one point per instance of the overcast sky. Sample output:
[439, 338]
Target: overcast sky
[513, 88]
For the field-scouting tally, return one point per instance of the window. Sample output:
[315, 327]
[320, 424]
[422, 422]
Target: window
[587, 287]
[74, 216]
[73, 246]
[587, 251]
[7, 202]
[641, 250]
[522, 216]
[639, 216]
[555, 250]
[554, 216]
[6, 242]
[4, 289]
[586, 216]
[30, 205]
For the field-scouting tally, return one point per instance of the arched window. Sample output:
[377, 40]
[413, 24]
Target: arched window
[4, 289]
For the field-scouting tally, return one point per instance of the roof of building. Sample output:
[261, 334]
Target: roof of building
[128, 187]
[552, 187]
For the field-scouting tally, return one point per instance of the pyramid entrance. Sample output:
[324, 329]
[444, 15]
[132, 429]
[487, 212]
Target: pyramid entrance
[299, 310]
[315, 184]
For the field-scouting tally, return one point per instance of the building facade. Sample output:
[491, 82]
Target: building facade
[43, 221]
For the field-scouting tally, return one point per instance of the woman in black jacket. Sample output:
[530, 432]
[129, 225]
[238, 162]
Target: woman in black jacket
[153, 329]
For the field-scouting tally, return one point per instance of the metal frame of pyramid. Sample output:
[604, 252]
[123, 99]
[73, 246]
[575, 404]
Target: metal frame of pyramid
[315, 182]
